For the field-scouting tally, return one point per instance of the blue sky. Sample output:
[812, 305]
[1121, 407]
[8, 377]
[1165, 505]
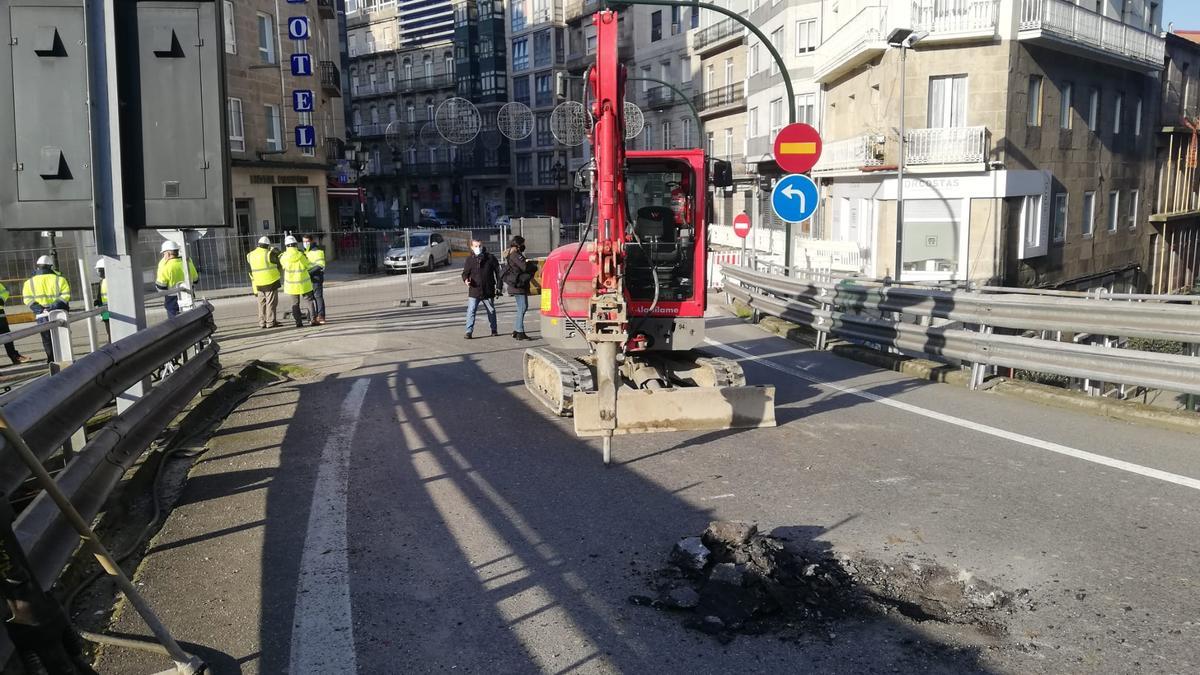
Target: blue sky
[1185, 14]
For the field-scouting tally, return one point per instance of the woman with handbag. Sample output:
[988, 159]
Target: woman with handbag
[518, 271]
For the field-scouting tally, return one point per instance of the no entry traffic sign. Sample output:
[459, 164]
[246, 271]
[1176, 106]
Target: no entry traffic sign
[797, 148]
[741, 225]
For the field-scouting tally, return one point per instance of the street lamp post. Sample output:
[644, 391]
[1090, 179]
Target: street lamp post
[902, 39]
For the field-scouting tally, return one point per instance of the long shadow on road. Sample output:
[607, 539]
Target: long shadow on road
[483, 536]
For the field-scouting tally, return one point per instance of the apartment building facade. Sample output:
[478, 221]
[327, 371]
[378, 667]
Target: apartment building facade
[280, 156]
[1027, 139]
[406, 60]
[1173, 257]
[538, 43]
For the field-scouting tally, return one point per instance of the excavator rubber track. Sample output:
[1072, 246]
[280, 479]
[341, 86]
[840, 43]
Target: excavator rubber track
[554, 378]
[725, 372]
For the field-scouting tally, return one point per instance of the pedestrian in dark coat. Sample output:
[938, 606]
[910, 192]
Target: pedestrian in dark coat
[481, 274]
[518, 272]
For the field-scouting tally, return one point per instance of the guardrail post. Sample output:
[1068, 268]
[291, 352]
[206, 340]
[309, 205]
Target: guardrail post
[979, 368]
[60, 337]
[822, 329]
[1191, 400]
[88, 303]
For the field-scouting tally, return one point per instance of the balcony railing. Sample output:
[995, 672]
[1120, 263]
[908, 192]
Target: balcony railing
[944, 18]
[952, 145]
[552, 13]
[370, 129]
[364, 89]
[443, 81]
[1068, 23]
[849, 154]
[331, 79]
[705, 37]
[326, 9]
[858, 40]
[660, 96]
[731, 94]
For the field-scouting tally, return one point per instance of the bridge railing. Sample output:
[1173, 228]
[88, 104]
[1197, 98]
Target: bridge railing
[1086, 338]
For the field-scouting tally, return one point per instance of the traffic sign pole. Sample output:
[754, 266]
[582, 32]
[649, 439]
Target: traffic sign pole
[741, 227]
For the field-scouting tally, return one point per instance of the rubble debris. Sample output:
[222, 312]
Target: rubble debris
[733, 580]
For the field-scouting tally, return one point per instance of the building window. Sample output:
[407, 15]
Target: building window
[1114, 206]
[645, 79]
[708, 144]
[656, 26]
[806, 108]
[274, 136]
[806, 36]
[1134, 195]
[1094, 109]
[542, 129]
[1031, 221]
[777, 43]
[266, 38]
[392, 117]
[754, 58]
[295, 208]
[948, 102]
[667, 141]
[1137, 117]
[407, 69]
[560, 47]
[448, 63]
[649, 133]
[306, 119]
[520, 54]
[1059, 232]
[685, 68]
[676, 20]
[430, 111]
[518, 15]
[411, 112]
[685, 125]
[695, 18]
[542, 50]
[729, 143]
[230, 29]
[1089, 213]
[521, 90]
[776, 116]
[1034, 118]
[754, 133]
[1118, 104]
[542, 91]
[427, 62]
[1065, 104]
[237, 130]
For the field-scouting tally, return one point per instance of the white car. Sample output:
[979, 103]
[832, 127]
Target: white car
[429, 249]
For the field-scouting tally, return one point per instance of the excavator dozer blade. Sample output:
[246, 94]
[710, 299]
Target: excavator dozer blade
[679, 409]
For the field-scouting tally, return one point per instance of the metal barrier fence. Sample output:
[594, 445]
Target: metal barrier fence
[47, 419]
[1074, 336]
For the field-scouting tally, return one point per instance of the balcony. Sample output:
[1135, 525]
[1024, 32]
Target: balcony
[952, 145]
[720, 99]
[859, 40]
[956, 20]
[326, 9]
[660, 97]
[331, 79]
[718, 35]
[370, 129]
[552, 13]
[367, 89]
[443, 81]
[334, 150]
[851, 154]
[1063, 26]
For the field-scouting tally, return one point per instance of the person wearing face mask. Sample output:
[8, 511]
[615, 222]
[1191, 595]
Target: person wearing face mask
[316, 272]
[480, 273]
[518, 271]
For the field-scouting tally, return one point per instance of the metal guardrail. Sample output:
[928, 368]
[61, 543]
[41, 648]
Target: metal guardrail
[836, 307]
[50, 411]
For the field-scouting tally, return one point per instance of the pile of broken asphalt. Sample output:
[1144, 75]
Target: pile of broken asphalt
[733, 580]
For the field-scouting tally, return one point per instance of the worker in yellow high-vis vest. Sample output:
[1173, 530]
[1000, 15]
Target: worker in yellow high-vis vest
[316, 272]
[45, 291]
[102, 297]
[265, 280]
[9, 347]
[296, 281]
[170, 276]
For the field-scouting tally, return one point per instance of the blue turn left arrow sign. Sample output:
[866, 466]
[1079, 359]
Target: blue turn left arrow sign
[794, 198]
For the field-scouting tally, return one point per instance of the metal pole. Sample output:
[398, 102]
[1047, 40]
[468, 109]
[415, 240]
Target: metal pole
[408, 264]
[184, 662]
[88, 303]
[900, 175]
[185, 296]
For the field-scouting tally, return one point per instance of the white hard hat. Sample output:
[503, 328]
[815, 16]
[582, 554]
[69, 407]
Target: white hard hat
[100, 264]
[289, 240]
[264, 240]
[169, 245]
[45, 260]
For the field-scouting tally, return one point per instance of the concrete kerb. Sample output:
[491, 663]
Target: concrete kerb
[933, 371]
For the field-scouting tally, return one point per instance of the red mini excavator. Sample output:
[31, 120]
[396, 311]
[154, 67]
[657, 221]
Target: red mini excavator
[625, 318]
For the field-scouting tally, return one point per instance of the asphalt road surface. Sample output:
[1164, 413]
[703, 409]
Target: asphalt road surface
[410, 508]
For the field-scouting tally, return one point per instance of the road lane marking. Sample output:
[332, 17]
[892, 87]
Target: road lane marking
[1058, 448]
[322, 627]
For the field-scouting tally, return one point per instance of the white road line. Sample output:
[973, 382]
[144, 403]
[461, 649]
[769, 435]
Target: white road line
[968, 424]
[323, 630]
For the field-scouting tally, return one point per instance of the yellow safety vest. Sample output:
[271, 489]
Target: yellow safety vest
[46, 289]
[104, 291]
[316, 256]
[4, 296]
[170, 272]
[295, 272]
[263, 272]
